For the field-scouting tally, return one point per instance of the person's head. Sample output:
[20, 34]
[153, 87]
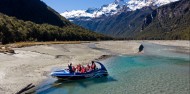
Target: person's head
[92, 62]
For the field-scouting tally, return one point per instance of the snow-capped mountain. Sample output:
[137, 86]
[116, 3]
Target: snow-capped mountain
[110, 9]
[138, 4]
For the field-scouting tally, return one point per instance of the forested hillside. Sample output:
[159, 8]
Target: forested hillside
[14, 30]
[33, 20]
[32, 10]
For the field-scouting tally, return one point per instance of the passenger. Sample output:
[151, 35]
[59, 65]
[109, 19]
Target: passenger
[88, 68]
[78, 68]
[74, 69]
[93, 66]
[70, 68]
[83, 69]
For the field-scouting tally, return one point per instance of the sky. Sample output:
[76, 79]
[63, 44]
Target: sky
[68, 5]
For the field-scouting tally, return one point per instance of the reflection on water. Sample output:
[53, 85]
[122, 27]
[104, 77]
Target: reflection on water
[158, 71]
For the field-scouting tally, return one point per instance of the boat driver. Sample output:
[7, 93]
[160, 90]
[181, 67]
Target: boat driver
[70, 68]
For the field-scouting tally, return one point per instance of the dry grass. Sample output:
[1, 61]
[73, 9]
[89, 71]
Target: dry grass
[26, 44]
[8, 47]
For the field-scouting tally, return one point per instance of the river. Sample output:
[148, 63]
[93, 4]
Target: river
[160, 70]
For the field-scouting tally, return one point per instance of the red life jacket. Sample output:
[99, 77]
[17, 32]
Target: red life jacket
[74, 69]
[93, 66]
[83, 70]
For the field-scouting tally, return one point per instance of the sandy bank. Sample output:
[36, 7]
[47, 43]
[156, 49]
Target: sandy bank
[181, 46]
[181, 43]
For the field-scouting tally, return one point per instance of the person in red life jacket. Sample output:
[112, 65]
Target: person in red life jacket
[83, 69]
[93, 66]
[79, 68]
[74, 69]
[88, 68]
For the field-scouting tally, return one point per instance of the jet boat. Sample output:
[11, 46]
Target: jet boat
[64, 74]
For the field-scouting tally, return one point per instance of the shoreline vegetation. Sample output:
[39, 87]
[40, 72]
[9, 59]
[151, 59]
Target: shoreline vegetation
[37, 59]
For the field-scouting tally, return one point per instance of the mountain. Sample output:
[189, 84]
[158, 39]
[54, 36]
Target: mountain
[33, 20]
[105, 10]
[147, 22]
[118, 25]
[32, 10]
[171, 21]
[117, 7]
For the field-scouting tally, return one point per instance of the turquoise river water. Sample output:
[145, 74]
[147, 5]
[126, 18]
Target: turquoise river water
[159, 71]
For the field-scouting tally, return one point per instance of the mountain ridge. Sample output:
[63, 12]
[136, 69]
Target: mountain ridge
[117, 7]
[116, 25]
[139, 24]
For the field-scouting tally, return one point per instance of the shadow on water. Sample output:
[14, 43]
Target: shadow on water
[86, 82]
[69, 85]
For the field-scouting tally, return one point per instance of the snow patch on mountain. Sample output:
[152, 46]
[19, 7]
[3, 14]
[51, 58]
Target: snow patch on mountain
[109, 9]
[116, 7]
[138, 4]
[76, 13]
